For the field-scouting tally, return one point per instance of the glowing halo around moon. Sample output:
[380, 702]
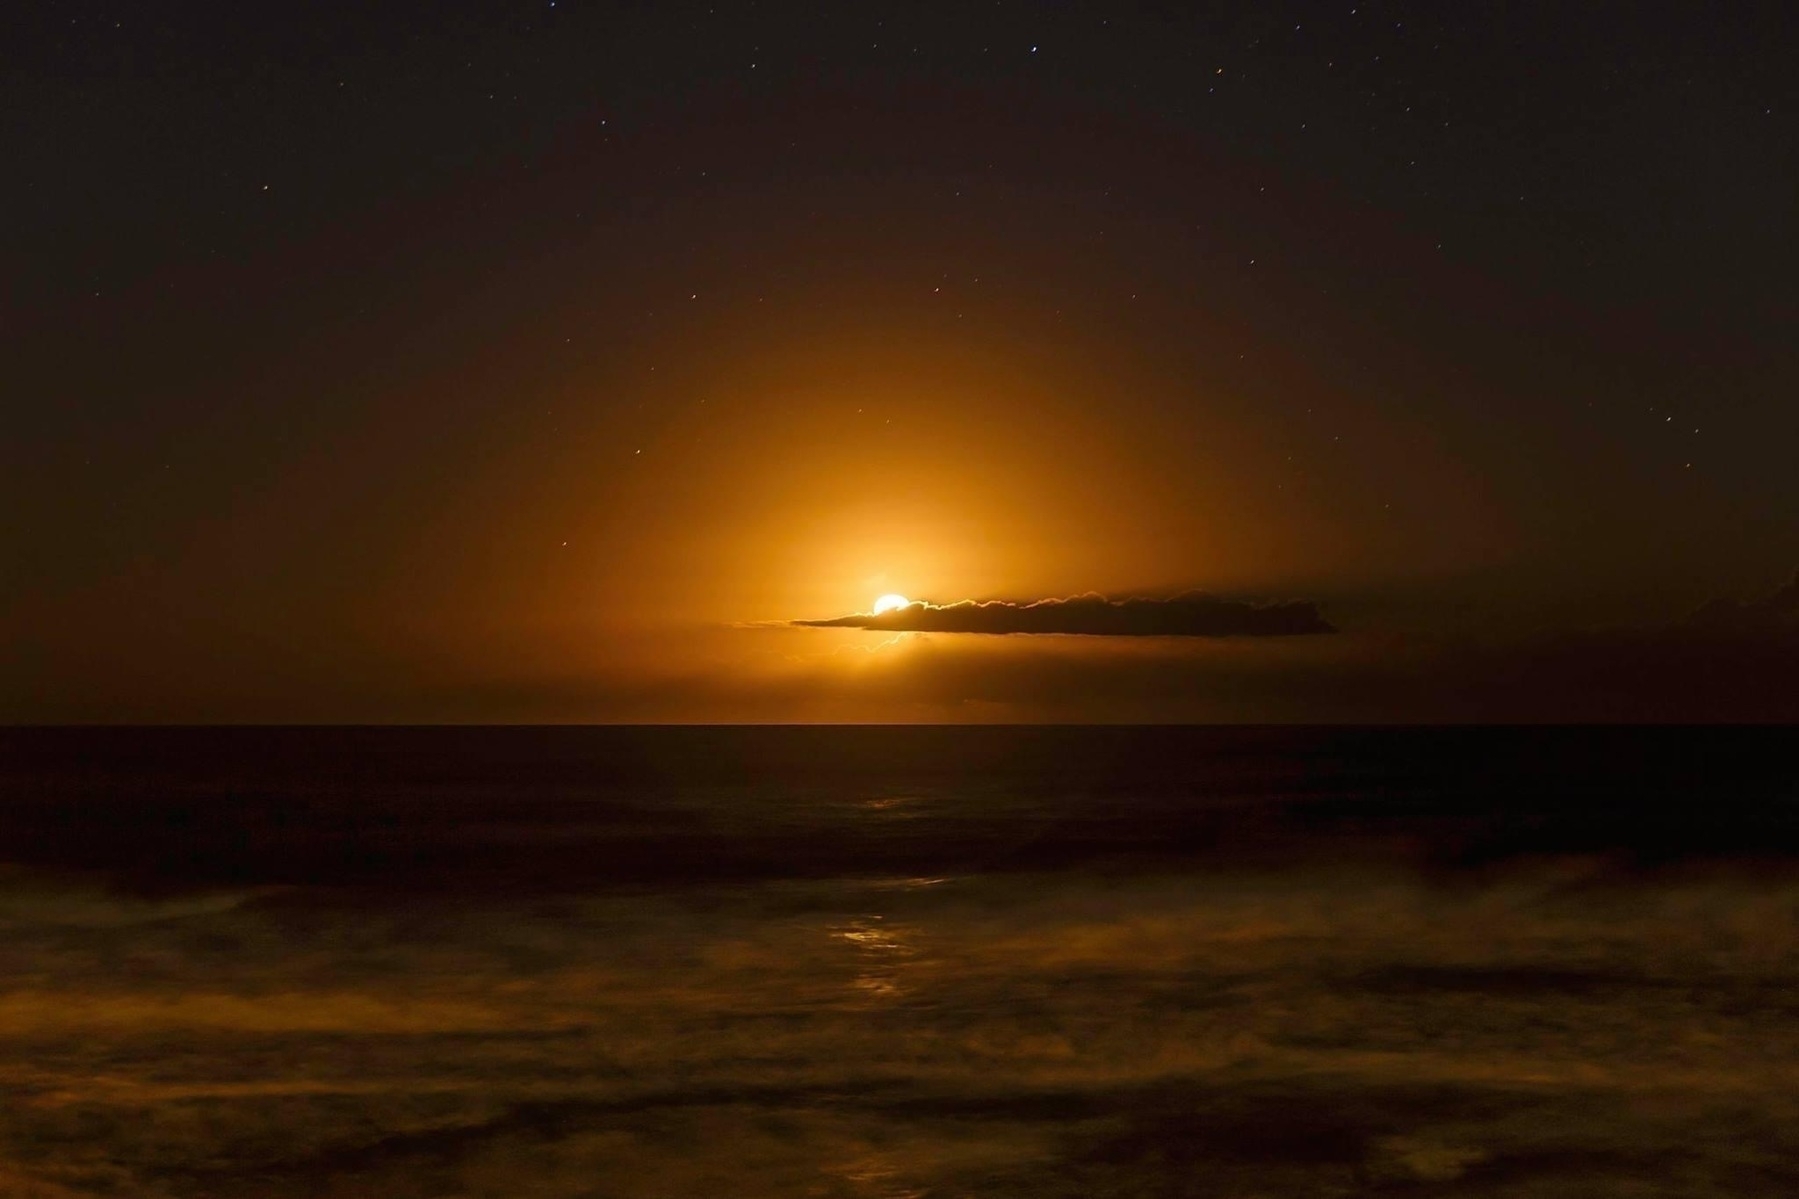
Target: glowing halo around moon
[890, 603]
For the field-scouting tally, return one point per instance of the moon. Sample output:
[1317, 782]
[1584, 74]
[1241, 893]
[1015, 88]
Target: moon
[888, 603]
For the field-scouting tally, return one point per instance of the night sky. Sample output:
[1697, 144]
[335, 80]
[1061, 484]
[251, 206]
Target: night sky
[549, 362]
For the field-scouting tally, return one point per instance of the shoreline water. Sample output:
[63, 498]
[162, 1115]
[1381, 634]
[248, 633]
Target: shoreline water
[893, 964]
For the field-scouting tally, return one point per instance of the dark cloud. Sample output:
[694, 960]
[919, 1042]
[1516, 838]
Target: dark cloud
[1194, 614]
[1776, 616]
[1734, 660]
[1729, 661]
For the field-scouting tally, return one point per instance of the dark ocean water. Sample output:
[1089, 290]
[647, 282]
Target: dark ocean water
[899, 962]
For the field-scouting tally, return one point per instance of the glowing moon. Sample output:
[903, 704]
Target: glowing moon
[888, 603]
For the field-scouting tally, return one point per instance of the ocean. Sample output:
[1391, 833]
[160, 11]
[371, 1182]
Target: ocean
[899, 962]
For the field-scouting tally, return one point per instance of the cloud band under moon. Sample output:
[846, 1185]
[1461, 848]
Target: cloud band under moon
[1194, 614]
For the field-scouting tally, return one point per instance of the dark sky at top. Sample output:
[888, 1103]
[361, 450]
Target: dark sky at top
[448, 361]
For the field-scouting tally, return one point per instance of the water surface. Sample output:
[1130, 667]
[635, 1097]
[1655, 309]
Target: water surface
[898, 962]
